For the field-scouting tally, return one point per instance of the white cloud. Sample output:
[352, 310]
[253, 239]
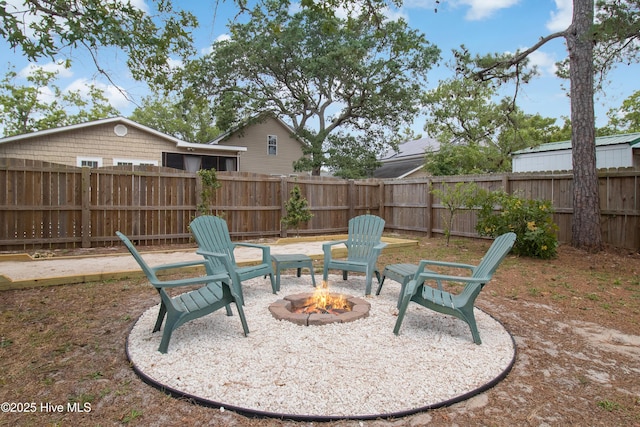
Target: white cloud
[223, 37]
[46, 95]
[545, 62]
[207, 50]
[59, 67]
[561, 19]
[112, 93]
[174, 63]
[140, 4]
[482, 9]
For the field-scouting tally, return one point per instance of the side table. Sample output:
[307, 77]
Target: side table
[298, 261]
[401, 273]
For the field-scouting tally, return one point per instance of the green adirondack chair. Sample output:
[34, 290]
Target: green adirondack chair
[363, 248]
[458, 305]
[215, 294]
[212, 235]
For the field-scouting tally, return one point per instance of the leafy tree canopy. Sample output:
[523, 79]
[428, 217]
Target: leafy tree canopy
[43, 105]
[625, 119]
[190, 121]
[55, 29]
[319, 73]
[350, 157]
[477, 133]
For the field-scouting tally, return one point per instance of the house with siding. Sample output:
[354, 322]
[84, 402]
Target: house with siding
[265, 146]
[271, 144]
[614, 151]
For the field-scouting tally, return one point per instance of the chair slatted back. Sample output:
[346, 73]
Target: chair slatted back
[136, 255]
[365, 232]
[212, 234]
[494, 256]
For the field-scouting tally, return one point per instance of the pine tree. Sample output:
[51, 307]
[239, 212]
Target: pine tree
[297, 210]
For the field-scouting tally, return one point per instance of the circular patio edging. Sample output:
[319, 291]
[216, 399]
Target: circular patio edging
[248, 410]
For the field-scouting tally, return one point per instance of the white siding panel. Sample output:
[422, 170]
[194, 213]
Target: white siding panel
[610, 156]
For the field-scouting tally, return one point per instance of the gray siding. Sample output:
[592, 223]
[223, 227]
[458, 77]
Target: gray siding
[256, 159]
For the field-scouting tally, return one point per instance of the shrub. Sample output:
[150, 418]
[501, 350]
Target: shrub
[531, 220]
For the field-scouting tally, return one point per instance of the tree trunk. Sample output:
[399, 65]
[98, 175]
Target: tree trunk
[586, 229]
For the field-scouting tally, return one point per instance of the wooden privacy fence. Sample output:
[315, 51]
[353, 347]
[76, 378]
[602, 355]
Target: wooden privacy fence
[49, 206]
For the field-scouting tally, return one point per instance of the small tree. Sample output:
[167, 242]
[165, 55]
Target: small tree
[297, 210]
[454, 199]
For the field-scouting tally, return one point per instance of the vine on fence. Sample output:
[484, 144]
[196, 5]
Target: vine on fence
[210, 184]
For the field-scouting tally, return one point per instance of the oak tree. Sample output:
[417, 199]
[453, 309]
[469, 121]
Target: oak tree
[319, 73]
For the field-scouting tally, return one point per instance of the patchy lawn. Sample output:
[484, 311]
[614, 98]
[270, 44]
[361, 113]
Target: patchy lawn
[575, 319]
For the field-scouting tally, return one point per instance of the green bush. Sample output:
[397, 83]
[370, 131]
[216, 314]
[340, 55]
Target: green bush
[531, 220]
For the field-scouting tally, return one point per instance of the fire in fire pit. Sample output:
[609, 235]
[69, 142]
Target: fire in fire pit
[324, 302]
[319, 308]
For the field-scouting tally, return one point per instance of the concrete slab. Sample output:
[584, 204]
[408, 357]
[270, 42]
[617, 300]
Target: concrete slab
[19, 271]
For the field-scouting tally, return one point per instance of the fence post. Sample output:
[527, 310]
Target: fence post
[283, 201]
[198, 194]
[429, 209]
[86, 206]
[352, 198]
[381, 208]
[506, 184]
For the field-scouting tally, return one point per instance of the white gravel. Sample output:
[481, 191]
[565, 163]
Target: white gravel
[356, 369]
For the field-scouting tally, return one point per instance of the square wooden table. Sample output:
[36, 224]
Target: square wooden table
[297, 261]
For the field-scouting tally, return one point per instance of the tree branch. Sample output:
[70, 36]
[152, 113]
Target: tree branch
[484, 74]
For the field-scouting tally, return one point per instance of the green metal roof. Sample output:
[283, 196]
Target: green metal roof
[627, 138]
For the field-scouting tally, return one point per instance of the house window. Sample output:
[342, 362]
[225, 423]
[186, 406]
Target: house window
[219, 163]
[272, 145]
[92, 162]
[133, 162]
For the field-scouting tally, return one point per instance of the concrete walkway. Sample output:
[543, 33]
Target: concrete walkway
[19, 271]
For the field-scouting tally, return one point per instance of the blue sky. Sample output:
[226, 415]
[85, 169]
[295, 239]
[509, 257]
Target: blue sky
[481, 25]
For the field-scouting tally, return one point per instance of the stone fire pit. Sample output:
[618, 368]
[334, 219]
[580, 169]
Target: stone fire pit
[284, 309]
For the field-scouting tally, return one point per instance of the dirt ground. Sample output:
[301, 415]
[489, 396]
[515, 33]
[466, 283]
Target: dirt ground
[575, 320]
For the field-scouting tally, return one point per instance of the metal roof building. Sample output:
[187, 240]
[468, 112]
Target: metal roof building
[407, 161]
[615, 151]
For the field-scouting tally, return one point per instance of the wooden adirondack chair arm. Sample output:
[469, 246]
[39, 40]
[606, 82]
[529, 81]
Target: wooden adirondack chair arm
[223, 258]
[178, 265]
[266, 250]
[213, 254]
[424, 262]
[423, 277]
[252, 245]
[413, 285]
[333, 243]
[430, 275]
[380, 246]
[190, 281]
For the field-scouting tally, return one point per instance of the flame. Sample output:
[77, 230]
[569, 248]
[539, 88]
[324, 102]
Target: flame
[324, 301]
